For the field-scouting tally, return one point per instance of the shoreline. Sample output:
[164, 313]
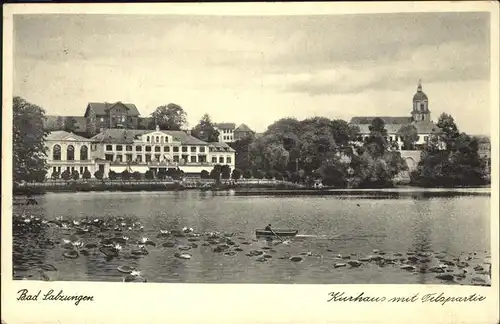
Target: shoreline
[248, 189]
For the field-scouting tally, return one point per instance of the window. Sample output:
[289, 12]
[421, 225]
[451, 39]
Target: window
[147, 139]
[128, 148]
[193, 159]
[396, 138]
[109, 147]
[202, 149]
[119, 148]
[176, 158]
[157, 157]
[54, 170]
[81, 170]
[193, 149]
[102, 119]
[148, 158]
[108, 157]
[119, 158]
[166, 149]
[157, 139]
[214, 159]
[138, 148]
[202, 158]
[157, 149]
[422, 106]
[56, 154]
[184, 149]
[70, 153]
[84, 153]
[221, 159]
[418, 138]
[426, 138]
[228, 160]
[166, 139]
[148, 148]
[176, 149]
[129, 157]
[138, 159]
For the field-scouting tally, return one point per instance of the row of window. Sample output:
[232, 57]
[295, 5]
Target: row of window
[227, 138]
[227, 131]
[70, 153]
[148, 148]
[396, 138]
[157, 139]
[70, 169]
[157, 158]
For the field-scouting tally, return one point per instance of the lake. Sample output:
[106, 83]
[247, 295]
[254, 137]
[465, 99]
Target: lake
[406, 238]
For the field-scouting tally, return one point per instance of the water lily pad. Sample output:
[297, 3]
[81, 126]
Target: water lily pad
[125, 269]
[71, 254]
[169, 244]
[339, 265]
[183, 255]
[296, 259]
[48, 267]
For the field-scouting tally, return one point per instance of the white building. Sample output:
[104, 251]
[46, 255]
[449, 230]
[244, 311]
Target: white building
[420, 118]
[226, 132]
[135, 150]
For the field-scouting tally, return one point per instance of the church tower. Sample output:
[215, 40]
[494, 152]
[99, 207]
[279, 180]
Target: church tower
[420, 110]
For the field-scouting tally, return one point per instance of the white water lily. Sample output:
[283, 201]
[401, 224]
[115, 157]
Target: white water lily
[123, 224]
[135, 273]
[59, 218]
[77, 244]
[27, 220]
[164, 231]
[126, 238]
[144, 239]
[65, 241]
[118, 247]
[76, 223]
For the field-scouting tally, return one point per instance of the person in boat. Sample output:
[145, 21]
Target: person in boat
[268, 227]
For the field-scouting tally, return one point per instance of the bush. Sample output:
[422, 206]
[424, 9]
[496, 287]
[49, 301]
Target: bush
[112, 175]
[149, 175]
[65, 175]
[259, 174]
[55, 175]
[75, 175]
[247, 174]
[86, 174]
[137, 175]
[99, 174]
[225, 171]
[125, 175]
[204, 174]
[236, 174]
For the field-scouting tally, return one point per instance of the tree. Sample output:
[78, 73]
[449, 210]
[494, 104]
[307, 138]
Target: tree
[247, 174]
[205, 130]
[225, 172]
[242, 153]
[137, 175]
[99, 174]
[125, 175]
[28, 135]
[343, 133]
[449, 130]
[169, 117]
[75, 175]
[70, 124]
[216, 173]
[204, 174]
[112, 175]
[86, 174]
[409, 135]
[259, 174]
[236, 174]
[66, 175]
[149, 175]
[55, 175]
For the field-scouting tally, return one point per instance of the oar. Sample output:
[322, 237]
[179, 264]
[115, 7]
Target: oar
[277, 236]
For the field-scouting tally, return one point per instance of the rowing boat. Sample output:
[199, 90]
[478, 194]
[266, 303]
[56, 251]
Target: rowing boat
[279, 232]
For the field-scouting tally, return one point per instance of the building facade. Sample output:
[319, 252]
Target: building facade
[136, 150]
[420, 118]
[103, 115]
[242, 132]
[226, 132]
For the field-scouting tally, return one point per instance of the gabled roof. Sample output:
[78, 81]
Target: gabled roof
[225, 125]
[221, 146]
[61, 135]
[102, 108]
[127, 136]
[386, 119]
[243, 128]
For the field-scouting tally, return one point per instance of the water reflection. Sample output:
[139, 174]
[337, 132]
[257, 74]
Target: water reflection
[328, 226]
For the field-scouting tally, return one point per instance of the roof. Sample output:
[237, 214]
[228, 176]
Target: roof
[225, 125]
[102, 108]
[387, 119]
[127, 136]
[423, 127]
[221, 146]
[420, 96]
[52, 122]
[61, 135]
[243, 128]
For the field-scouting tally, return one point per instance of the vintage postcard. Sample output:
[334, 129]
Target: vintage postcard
[250, 163]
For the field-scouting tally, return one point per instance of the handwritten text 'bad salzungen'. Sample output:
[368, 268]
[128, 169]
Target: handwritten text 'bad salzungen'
[426, 298]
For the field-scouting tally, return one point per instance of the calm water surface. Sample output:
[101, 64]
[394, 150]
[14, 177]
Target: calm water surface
[329, 227]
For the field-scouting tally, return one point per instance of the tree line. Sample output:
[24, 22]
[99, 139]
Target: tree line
[306, 151]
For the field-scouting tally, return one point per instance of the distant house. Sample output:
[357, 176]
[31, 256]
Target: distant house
[242, 132]
[226, 132]
[104, 115]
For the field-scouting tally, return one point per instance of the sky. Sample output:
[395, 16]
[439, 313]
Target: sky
[258, 69]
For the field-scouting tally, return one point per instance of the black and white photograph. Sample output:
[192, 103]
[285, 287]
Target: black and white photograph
[325, 149]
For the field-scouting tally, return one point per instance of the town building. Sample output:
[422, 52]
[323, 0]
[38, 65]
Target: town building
[103, 115]
[243, 132]
[118, 149]
[226, 131]
[420, 118]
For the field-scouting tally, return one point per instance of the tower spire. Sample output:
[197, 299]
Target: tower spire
[419, 87]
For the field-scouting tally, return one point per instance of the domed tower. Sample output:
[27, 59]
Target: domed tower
[420, 110]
